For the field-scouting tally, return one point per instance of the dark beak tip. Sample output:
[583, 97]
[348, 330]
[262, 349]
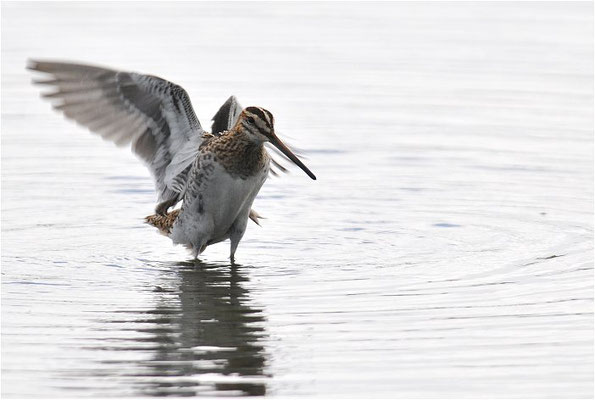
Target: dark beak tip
[285, 150]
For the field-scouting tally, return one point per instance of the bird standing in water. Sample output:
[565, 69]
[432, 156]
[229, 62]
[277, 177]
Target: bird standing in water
[215, 175]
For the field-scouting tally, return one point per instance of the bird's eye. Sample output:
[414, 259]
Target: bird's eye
[251, 120]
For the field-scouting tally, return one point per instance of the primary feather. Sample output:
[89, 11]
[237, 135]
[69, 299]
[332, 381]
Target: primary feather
[151, 114]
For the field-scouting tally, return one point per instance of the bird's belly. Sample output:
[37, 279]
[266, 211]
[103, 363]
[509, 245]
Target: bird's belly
[227, 200]
[209, 214]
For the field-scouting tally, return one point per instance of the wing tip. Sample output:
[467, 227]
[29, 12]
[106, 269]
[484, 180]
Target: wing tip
[226, 107]
[32, 64]
[233, 99]
[226, 116]
[40, 65]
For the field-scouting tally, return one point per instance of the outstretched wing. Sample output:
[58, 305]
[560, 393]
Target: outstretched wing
[227, 116]
[152, 115]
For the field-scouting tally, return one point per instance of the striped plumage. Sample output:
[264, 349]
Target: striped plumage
[215, 176]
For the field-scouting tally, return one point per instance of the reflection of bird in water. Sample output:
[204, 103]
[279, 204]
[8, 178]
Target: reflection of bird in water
[215, 175]
[204, 336]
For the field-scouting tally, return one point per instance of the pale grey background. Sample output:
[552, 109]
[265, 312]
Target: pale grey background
[453, 143]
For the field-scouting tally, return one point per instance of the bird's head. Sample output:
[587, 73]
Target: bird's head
[258, 124]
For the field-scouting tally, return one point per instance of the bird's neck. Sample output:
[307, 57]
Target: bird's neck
[240, 155]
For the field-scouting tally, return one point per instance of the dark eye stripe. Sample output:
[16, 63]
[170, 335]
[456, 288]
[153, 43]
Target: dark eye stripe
[249, 127]
[262, 115]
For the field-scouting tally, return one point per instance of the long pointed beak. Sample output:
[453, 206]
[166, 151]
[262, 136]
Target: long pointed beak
[285, 150]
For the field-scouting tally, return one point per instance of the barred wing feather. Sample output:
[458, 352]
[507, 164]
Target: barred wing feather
[152, 115]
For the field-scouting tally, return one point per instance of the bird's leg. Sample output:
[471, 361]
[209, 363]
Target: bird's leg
[162, 207]
[198, 249]
[236, 232]
[232, 252]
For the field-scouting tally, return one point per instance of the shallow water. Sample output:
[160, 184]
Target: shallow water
[446, 249]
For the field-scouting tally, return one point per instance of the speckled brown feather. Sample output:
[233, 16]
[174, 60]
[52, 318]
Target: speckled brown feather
[234, 150]
[163, 222]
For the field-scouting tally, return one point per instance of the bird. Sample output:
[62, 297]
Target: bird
[214, 176]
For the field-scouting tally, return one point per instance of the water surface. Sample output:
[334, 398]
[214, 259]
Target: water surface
[446, 249]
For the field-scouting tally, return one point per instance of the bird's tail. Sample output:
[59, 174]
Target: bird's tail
[163, 222]
[254, 216]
